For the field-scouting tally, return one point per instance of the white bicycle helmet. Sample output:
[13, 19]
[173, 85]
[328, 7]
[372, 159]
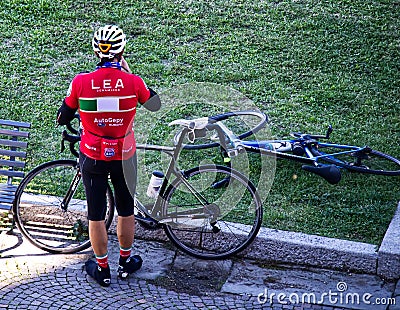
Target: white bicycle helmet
[108, 41]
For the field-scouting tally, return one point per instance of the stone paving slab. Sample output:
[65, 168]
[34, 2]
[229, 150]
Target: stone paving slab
[309, 285]
[34, 279]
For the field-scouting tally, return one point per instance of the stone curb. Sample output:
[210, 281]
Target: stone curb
[302, 249]
[277, 246]
[389, 251]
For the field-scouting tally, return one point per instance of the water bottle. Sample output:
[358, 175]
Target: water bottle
[156, 180]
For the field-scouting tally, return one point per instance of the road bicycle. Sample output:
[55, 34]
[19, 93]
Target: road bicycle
[325, 159]
[201, 213]
[210, 211]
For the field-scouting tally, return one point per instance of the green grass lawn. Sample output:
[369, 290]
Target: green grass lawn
[307, 64]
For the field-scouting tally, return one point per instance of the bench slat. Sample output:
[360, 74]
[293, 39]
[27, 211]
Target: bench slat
[7, 199]
[7, 192]
[5, 206]
[13, 153]
[11, 173]
[8, 187]
[12, 163]
[14, 133]
[14, 123]
[12, 143]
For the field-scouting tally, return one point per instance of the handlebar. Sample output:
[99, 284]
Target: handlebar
[72, 139]
[310, 137]
[197, 128]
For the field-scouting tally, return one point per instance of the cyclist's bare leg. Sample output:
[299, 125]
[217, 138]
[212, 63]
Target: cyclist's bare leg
[98, 234]
[98, 237]
[126, 231]
[99, 271]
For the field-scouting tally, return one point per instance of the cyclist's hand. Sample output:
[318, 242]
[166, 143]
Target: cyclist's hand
[125, 65]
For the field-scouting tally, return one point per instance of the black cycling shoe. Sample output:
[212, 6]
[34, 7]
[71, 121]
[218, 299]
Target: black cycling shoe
[128, 267]
[101, 275]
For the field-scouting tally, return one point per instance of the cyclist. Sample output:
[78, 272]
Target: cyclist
[107, 100]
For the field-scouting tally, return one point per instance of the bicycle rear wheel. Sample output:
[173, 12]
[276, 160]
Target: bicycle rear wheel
[44, 215]
[364, 160]
[233, 206]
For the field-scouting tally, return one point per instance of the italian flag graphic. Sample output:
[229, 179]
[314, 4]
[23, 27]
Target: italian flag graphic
[103, 104]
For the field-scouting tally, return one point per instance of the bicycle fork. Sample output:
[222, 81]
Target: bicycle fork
[71, 190]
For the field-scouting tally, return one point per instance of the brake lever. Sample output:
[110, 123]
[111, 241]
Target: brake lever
[328, 133]
[63, 138]
[62, 145]
[191, 134]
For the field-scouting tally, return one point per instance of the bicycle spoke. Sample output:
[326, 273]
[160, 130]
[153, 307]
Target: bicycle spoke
[41, 216]
[215, 233]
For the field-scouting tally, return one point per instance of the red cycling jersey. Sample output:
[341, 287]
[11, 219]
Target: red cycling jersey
[107, 100]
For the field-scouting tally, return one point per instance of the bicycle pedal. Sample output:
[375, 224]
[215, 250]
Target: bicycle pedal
[216, 229]
[123, 274]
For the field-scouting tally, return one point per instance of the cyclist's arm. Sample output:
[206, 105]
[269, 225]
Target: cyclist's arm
[70, 104]
[146, 96]
[153, 103]
[65, 114]
[125, 65]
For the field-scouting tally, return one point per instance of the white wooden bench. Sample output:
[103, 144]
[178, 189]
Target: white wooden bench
[13, 145]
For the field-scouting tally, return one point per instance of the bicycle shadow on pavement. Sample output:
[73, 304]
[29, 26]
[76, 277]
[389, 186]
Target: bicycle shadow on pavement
[13, 245]
[7, 243]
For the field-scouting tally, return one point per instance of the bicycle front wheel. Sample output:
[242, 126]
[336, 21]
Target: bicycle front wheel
[364, 160]
[50, 208]
[230, 212]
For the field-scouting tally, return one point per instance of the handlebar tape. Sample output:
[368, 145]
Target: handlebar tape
[221, 117]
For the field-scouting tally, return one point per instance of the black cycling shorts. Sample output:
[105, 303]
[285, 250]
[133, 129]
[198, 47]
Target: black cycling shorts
[123, 175]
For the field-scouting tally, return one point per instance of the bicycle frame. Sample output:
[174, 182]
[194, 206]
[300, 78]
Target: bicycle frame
[256, 147]
[158, 212]
[71, 190]
[348, 149]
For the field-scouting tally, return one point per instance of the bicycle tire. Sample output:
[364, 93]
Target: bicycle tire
[38, 214]
[196, 237]
[254, 129]
[368, 161]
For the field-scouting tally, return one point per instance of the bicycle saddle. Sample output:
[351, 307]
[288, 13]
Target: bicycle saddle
[331, 173]
[198, 123]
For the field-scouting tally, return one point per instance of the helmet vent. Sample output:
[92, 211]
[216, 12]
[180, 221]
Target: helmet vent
[104, 47]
